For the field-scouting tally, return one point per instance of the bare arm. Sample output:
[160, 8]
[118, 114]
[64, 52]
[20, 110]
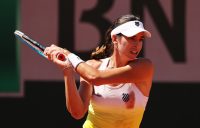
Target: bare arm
[77, 101]
[137, 71]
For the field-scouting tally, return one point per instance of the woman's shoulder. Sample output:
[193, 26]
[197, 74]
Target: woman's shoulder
[143, 61]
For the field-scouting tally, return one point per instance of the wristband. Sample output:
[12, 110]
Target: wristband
[74, 59]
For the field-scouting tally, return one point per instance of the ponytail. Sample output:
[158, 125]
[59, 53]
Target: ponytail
[106, 49]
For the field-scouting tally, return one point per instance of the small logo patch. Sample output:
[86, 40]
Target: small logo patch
[125, 97]
[137, 23]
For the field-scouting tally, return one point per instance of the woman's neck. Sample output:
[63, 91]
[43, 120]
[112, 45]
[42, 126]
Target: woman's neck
[115, 62]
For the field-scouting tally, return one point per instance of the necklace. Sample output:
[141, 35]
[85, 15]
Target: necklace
[109, 64]
[110, 67]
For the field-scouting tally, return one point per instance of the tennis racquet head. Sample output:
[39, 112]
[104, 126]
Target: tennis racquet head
[30, 42]
[37, 47]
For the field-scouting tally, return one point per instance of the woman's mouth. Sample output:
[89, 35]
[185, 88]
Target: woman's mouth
[134, 52]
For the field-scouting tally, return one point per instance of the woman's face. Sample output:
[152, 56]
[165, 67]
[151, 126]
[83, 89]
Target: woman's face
[130, 47]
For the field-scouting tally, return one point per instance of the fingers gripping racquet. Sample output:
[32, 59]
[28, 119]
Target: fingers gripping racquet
[37, 47]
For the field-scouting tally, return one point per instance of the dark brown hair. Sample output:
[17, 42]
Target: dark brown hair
[106, 49]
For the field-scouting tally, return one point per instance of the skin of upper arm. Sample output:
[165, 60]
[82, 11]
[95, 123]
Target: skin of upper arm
[85, 92]
[136, 71]
[142, 70]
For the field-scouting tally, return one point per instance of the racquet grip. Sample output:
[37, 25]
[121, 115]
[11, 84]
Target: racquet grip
[61, 57]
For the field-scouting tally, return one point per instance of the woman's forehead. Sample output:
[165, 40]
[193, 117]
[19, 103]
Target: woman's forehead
[140, 34]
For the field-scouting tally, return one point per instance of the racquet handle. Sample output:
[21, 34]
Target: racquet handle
[61, 57]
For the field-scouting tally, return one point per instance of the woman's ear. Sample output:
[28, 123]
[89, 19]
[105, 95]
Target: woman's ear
[114, 39]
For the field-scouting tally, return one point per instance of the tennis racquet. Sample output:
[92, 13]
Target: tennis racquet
[37, 47]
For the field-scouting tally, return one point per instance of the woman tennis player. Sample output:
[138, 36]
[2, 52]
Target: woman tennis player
[114, 84]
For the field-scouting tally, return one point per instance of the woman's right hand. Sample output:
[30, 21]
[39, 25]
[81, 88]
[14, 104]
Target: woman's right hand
[53, 53]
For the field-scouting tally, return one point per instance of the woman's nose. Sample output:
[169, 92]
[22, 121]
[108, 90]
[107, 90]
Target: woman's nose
[135, 43]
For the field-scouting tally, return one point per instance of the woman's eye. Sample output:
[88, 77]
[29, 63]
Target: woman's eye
[142, 39]
[134, 38]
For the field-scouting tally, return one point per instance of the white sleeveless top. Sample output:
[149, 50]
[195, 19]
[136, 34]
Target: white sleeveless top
[121, 106]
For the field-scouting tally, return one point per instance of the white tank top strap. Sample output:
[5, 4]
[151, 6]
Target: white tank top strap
[104, 63]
